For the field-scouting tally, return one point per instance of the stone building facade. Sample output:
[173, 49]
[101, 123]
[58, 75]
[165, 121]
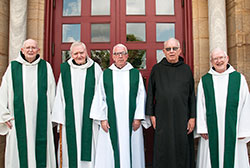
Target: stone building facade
[4, 29]
[237, 31]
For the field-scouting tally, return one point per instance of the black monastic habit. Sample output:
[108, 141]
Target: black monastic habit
[171, 100]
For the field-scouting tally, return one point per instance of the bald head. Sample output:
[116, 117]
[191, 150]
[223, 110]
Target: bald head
[29, 41]
[30, 50]
[219, 60]
[172, 50]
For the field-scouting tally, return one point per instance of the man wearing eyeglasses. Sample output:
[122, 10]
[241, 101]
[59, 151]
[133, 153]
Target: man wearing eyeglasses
[223, 115]
[26, 98]
[171, 105]
[119, 105]
[75, 91]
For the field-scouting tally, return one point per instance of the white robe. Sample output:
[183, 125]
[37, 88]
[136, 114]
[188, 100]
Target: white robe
[220, 81]
[104, 150]
[78, 75]
[30, 105]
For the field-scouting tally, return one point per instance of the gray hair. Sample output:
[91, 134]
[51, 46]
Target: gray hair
[120, 45]
[216, 50]
[178, 42]
[77, 43]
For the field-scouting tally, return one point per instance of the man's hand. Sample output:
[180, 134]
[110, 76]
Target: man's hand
[191, 124]
[153, 120]
[8, 123]
[105, 125]
[241, 138]
[205, 136]
[136, 124]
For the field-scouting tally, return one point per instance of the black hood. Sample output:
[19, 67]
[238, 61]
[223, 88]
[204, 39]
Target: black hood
[23, 56]
[165, 62]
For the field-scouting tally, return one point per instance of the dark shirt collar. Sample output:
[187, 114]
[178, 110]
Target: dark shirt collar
[23, 56]
[74, 62]
[227, 67]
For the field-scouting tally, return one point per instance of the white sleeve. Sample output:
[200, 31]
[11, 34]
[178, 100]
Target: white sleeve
[140, 105]
[58, 112]
[99, 106]
[201, 121]
[98, 73]
[140, 100]
[5, 114]
[51, 87]
[244, 110]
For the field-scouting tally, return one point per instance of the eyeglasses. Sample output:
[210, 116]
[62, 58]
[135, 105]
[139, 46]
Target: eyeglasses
[170, 48]
[120, 53]
[219, 58]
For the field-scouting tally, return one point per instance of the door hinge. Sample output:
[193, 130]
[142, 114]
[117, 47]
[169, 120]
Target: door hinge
[182, 3]
[53, 49]
[54, 3]
[184, 48]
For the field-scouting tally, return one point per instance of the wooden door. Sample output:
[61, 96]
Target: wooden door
[141, 25]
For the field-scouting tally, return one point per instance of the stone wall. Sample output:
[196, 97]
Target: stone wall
[35, 30]
[238, 36]
[238, 30]
[35, 20]
[201, 38]
[4, 36]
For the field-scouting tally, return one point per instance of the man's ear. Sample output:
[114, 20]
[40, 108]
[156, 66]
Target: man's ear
[164, 51]
[180, 51]
[22, 50]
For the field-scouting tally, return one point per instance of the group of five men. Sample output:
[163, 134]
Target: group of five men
[100, 114]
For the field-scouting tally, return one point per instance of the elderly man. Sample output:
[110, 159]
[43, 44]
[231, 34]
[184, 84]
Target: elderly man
[171, 105]
[27, 93]
[75, 92]
[223, 116]
[119, 106]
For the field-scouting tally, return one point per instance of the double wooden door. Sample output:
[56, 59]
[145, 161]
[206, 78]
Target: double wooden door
[141, 25]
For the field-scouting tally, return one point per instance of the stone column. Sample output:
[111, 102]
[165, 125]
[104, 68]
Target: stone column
[18, 26]
[217, 24]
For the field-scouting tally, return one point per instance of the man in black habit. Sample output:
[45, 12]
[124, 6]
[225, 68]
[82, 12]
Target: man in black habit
[171, 107]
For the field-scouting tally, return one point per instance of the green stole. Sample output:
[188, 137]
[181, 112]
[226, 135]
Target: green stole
[19, 114]
[230, 120]
[86, 134]
[133, 89]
